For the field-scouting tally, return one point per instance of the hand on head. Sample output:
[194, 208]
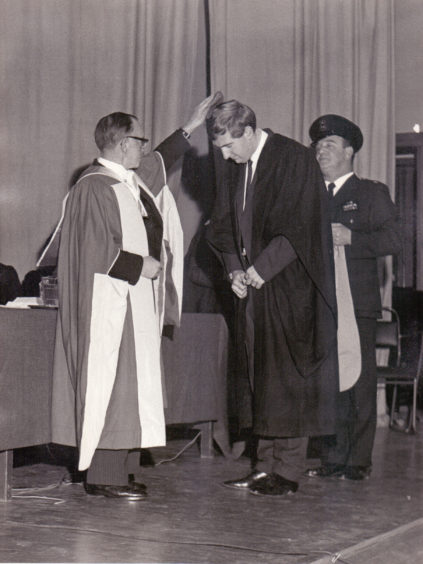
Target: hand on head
[201, 111]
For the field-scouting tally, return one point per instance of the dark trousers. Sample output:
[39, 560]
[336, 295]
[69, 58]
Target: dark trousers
[112, 467]
[283, 456]
[356, 408]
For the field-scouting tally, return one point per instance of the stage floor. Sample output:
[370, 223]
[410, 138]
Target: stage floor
[190, 518]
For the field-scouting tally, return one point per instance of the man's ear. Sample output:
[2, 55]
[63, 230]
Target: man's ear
[248, 132]
[349, 151]
[124, 144]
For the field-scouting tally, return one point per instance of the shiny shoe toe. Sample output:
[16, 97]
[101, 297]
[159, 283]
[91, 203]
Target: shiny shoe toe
[326, 471]
[246, 482]
[117, 492]
[274, 484]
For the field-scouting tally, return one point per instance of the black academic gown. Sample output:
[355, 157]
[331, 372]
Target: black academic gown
[295, 377]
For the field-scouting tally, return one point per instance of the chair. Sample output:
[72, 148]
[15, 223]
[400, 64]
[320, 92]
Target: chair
[399, 373]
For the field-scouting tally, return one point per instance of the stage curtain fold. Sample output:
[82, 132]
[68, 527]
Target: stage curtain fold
[66, 63]
[293, 60]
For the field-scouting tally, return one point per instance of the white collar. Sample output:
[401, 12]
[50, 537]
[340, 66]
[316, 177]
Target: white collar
[256, 155]
[339, 182]
[117, 168]
[128, 176]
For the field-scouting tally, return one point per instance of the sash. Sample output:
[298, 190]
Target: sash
[349, 349]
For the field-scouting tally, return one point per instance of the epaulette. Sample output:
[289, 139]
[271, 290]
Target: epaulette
[370, 180]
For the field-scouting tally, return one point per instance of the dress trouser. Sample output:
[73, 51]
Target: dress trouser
[283, 456]
[109, 468]
[356, 408]
[112, 467]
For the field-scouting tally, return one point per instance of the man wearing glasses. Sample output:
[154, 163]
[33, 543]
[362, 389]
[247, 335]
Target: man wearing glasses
[120, 251]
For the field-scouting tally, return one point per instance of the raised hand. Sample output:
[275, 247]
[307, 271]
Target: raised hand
[200, 112]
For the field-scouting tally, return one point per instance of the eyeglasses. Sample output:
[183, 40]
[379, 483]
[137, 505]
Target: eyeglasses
[143, 140]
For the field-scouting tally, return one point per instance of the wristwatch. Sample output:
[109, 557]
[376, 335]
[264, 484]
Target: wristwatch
[185, 134]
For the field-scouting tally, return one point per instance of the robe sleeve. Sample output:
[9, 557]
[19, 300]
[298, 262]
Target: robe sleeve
[172, 148]
[127, 266]
[274, 258]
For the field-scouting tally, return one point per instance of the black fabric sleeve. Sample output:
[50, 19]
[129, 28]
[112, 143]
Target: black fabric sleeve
[172, 148]
[127, 266]
[275, 257]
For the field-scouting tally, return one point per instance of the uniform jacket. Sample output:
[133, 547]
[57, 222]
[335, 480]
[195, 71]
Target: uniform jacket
[294, 313]
[366, 208]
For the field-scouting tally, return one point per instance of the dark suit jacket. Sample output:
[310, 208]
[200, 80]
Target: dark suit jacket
[365, 207]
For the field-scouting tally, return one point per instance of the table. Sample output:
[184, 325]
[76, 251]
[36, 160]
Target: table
[195, 365]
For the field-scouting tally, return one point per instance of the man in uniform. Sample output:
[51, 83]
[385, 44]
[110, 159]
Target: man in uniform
[364, 227]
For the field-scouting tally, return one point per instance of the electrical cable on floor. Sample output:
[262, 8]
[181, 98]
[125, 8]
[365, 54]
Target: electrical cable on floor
[187, 446]
[335, 558]
[22, 493]
[40, 488]
[57, 500]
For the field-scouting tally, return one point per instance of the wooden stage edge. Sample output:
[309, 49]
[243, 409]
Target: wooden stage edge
[402, 545]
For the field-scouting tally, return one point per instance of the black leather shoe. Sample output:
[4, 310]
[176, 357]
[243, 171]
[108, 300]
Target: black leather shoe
[357, 472]
[326, 471]
[274, 484]
[121, 492]
[136, 486]
[247, 482]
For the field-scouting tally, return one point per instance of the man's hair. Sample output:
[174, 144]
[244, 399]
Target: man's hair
[110, 129]
[232, 117]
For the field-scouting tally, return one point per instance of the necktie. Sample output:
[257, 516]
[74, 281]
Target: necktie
[331, 188]
[248, 183]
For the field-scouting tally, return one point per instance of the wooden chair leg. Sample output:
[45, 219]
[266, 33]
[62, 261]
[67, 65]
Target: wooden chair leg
[206, 439]
[394, 402]
[412, 424]
[6, 467]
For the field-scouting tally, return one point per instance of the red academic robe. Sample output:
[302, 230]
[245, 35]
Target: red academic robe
[107, 389]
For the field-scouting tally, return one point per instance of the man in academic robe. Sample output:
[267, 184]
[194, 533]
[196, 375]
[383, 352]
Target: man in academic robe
[364, 226]
[120, 279]
[271, 229]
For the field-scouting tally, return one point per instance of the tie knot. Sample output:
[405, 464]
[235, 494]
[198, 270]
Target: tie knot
[331, 188]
